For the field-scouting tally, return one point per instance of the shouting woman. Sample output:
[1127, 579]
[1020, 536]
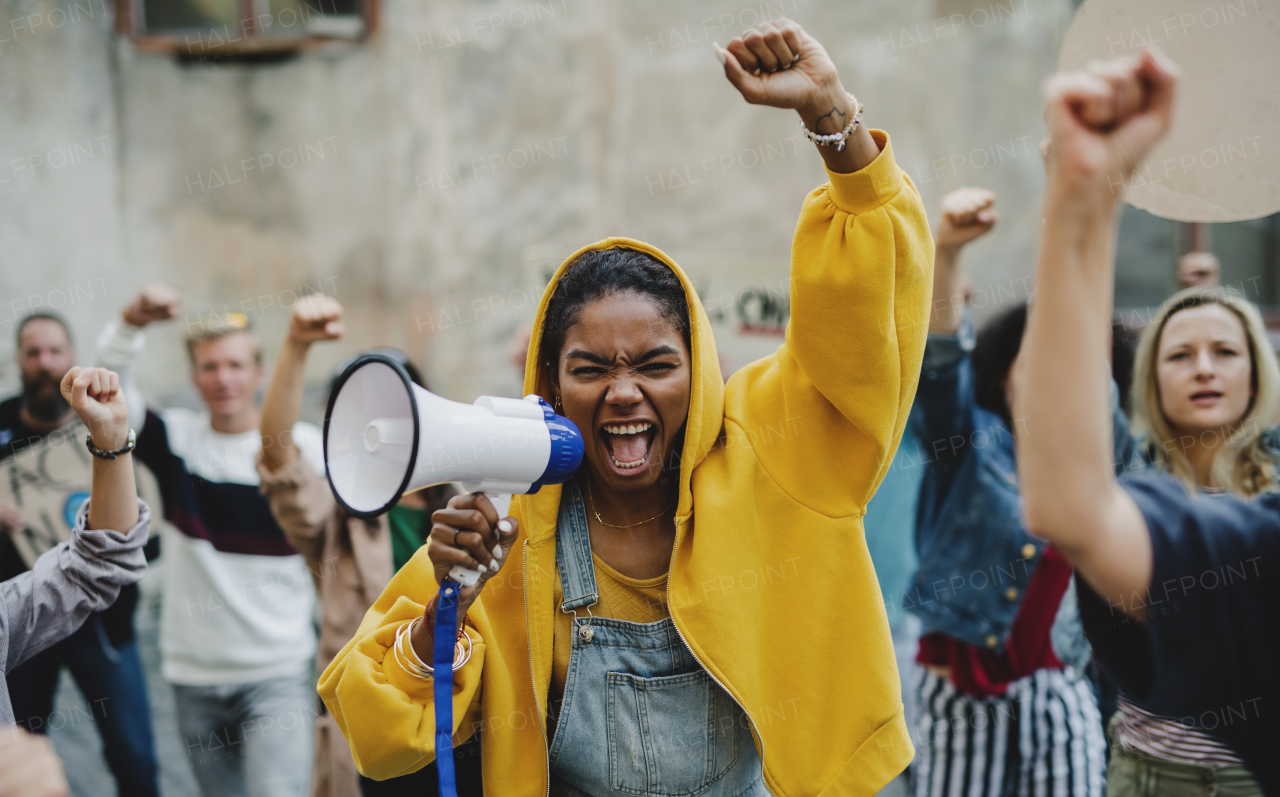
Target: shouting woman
[696, 612]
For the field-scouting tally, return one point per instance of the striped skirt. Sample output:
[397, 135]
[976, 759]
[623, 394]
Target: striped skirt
[1042, 738]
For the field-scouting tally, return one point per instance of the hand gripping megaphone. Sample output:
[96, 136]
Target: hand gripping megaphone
[384, 436]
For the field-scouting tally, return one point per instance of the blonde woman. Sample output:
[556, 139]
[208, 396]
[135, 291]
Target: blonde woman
[1205, 387]
[1205, 390]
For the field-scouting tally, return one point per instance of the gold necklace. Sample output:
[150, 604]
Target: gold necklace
[592, 499]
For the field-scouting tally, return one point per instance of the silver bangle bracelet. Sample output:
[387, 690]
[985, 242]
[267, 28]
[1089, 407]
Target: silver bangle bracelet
[409, 661]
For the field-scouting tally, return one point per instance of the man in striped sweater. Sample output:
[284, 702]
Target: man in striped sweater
[237, 638]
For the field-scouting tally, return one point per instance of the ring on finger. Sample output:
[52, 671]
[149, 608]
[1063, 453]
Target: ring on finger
[456, 532]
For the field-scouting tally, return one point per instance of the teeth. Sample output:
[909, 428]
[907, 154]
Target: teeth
[634, 428]
[628, 465]
[630, 428]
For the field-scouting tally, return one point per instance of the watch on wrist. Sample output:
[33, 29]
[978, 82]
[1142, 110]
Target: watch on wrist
[101, 454]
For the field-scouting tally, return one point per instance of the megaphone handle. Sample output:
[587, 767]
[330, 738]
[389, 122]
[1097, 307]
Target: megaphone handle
[501, 502]
[468, 578]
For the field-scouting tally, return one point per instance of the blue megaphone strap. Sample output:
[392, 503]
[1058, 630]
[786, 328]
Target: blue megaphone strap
[446, 635]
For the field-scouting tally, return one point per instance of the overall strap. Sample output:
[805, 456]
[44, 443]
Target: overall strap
[573, 552]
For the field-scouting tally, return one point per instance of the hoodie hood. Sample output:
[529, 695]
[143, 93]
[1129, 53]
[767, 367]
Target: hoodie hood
[706, 390]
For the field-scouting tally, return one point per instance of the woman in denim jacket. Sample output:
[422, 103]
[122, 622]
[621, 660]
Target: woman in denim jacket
[1003, 709]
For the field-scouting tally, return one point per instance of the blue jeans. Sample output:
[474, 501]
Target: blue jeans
[250, 740]
[115, 690]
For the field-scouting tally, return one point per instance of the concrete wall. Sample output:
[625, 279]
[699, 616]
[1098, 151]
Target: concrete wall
[432, 177]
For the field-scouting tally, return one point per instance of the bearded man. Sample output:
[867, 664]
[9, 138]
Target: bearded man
[103, 654]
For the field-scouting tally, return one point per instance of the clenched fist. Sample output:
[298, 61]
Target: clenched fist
[95, 395]
[967, 213]
[155, 302]
[777, 63]
[1104, 121]
[315, 317]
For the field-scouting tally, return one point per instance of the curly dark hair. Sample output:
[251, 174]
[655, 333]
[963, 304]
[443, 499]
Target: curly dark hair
[998, 343]
[598, 273]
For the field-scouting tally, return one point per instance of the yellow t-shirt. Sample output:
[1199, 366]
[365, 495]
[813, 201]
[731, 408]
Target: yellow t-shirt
[636, 600]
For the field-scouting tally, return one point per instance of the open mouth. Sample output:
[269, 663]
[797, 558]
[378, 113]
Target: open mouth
[1205, 397]
[629, 444]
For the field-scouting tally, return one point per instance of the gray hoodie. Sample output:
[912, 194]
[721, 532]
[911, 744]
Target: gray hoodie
[50, 601]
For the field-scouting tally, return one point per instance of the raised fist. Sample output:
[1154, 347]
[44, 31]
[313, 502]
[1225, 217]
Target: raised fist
[967, 213]
[315, 317]
[1104, 121]
[155, 302]
[777, 63]
[95, 395]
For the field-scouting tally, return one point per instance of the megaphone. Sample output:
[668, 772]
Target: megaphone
[385, 436]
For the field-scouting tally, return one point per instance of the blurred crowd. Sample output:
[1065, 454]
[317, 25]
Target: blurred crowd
[1012, 683]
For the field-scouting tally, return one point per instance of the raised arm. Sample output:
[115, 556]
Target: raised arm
[966, 214]
[945, 401]
[85, 574]
[122, 341]
[1101, 124]
[95, 395]
[825, 413]
[314, 318]
[300, 499]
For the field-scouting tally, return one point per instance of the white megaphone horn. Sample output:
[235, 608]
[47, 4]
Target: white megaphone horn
[385, 436]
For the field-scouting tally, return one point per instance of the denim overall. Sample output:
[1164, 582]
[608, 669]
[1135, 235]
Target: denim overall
[639, 715]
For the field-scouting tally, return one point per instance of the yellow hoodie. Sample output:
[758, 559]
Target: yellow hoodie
[771, 585]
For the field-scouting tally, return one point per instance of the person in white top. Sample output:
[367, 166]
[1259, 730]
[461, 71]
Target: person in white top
[237, 635]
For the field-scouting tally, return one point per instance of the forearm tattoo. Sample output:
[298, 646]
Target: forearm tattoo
[835, 116]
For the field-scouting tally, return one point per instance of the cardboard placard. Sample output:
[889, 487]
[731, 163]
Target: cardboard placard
[49, 481]
[1221, 160]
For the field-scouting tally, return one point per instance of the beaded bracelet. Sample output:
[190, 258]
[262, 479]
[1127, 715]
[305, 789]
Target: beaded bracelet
[839, 139]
